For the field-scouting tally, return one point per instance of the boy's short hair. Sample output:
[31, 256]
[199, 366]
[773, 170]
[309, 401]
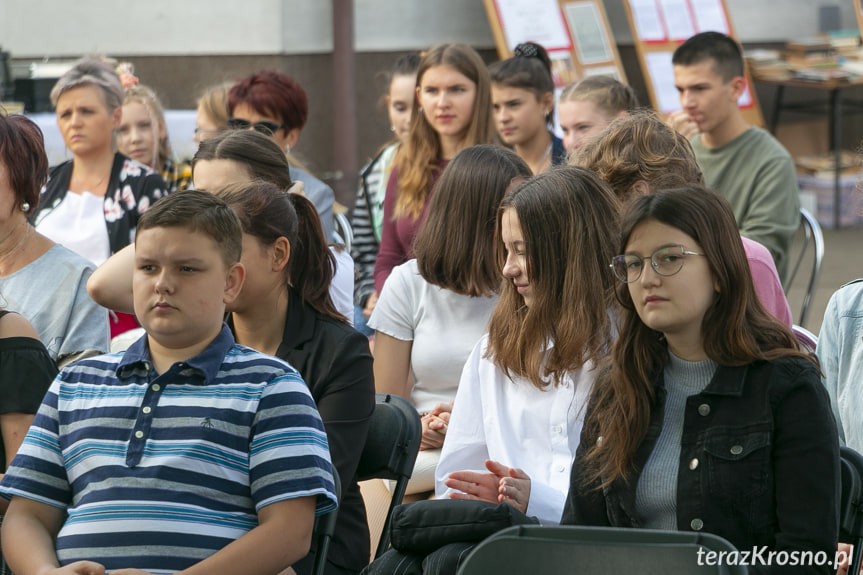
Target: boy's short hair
[198, 211]
[723, 50]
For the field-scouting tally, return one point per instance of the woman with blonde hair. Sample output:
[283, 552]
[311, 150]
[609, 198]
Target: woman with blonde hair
[586, 107]
[143, 136]
[212, 112]
[451, 112]
[91, 203]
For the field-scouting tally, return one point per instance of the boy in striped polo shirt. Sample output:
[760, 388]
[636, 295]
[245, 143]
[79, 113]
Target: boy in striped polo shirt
[187, 453]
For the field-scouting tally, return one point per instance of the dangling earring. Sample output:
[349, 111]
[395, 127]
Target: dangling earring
[287, 148]
[25, 207]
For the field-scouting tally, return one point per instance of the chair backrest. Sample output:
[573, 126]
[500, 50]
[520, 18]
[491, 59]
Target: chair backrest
[851, 505]
[325, 526]
[806, 338]
[811, 235]
[391, 450]
[344, 231]
[556, 550]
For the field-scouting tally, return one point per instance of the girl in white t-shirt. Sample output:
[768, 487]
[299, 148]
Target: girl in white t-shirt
[433, 310]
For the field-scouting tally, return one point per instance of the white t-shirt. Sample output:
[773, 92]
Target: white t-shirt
[342, 286]
[443, 325]
[518, 425]
[78, 223]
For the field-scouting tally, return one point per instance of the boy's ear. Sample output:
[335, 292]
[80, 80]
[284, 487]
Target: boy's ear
[234, 278]
[738, 85]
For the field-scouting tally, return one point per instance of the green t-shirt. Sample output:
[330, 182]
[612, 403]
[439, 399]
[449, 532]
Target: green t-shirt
[756, 174]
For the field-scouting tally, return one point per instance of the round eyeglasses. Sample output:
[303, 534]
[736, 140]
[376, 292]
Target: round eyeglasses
[665, 261]
[264, 127]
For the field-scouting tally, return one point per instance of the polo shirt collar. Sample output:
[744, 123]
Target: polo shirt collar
[207, 363]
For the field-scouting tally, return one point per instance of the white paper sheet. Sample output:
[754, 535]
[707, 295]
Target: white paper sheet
[588, 32]
[648, 21]
[677, 18]
[709, 16]
[661, 73]
[538, 21]
[603, 71]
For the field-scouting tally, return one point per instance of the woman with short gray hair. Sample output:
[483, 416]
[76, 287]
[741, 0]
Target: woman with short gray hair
[91, 203]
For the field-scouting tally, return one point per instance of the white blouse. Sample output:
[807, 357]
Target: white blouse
[518, 425]
[78, 223]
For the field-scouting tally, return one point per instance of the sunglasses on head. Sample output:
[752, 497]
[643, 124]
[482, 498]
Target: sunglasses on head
[264, 127]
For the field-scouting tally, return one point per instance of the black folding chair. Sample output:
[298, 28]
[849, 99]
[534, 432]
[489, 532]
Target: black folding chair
[391, 450]
[569, 550]
[851, 505]
[325, 526]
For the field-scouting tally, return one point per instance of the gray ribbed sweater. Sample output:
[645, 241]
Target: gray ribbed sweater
[656, 493]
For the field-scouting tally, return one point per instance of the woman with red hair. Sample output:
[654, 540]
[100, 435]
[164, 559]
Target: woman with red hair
[276, 104]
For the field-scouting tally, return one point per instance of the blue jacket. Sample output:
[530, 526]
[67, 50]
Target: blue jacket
[759, 464]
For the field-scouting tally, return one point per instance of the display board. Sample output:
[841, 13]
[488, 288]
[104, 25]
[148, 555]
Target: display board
[575, 33]
[659, 26]
[858, 9]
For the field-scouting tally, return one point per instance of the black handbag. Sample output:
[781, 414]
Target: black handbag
[424, 526]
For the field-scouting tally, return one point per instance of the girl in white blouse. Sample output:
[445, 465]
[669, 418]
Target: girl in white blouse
[520, 404]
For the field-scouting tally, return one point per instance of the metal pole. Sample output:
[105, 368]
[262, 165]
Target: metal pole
[344, 103]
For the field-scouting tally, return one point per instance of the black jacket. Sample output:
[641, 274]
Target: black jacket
[759, 464]
[335, 362]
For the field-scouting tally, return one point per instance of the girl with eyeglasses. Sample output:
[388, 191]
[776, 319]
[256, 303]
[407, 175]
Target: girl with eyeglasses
[709, 417]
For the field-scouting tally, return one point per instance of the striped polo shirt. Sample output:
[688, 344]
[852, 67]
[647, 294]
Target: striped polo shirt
[157, 472]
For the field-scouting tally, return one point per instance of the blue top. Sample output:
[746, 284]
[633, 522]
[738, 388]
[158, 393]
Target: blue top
[158, 472]
[558, 152]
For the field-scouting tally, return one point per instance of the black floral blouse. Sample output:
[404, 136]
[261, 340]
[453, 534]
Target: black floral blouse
[132, 189]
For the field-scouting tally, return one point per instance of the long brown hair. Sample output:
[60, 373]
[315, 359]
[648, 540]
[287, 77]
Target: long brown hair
[568, 218]
[454, 247]
[741, 329]
[417, 160]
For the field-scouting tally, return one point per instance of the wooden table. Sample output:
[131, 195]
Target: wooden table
[835, 106]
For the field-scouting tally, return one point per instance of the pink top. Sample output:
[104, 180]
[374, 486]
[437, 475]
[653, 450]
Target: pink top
[397, 236]
[766, 280]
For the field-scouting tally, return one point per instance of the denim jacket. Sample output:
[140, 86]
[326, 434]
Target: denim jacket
[840, 350]
[759, 464]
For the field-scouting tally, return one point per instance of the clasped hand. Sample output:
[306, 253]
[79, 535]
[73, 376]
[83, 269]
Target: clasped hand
[501, 485]
[434, 426]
